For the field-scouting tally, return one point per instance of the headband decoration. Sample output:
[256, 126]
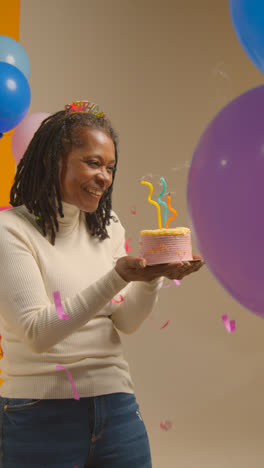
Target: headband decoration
[84, 106]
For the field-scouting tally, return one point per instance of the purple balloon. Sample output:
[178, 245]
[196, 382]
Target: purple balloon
[225, 197]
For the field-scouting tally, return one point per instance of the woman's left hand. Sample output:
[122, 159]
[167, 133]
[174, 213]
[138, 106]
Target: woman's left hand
[178, 271]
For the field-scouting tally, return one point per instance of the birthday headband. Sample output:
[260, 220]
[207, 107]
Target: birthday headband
[84, 106]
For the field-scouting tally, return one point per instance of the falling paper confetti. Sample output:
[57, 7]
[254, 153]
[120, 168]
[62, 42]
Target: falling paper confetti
[167, 323]
[133, 210]
[75, 393]
[229, 324]
[128, 248]
[169, 285]
[1, 350]
[58, 305]
[166, 426]
[118, 302]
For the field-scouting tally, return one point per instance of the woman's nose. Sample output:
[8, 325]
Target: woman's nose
[104, 175]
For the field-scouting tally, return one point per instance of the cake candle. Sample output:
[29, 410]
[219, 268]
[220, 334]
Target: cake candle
[170, 208]
[152, 201]
[162, 202]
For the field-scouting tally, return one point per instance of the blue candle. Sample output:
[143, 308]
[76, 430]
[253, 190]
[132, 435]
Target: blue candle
[162, 202]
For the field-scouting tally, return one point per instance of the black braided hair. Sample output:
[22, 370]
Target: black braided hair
[36, 183]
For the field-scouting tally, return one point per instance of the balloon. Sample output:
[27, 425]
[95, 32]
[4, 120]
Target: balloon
[13, 53]
[14, 96]
[225, 197]
[248, 21]
[24, 132]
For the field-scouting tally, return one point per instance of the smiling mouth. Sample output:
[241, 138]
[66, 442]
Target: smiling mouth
[94, 193]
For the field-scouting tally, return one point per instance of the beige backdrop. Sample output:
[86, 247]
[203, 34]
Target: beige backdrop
[161, 70]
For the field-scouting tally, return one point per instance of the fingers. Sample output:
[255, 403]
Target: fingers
[179, 271]
[198, 257]
[197, 266]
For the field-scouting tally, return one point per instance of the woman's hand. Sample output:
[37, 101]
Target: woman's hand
[135, 269]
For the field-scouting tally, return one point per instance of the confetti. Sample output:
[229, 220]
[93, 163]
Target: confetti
[75, 393]
[118, 302]
[1, 349]
[58, 305]
[167, 323]
[133, 210]
[1, 380]
[128, 248]
[169, 285]
[166, 426]
[229, 324]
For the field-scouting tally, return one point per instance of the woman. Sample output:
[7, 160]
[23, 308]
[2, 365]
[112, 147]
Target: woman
[67, 397]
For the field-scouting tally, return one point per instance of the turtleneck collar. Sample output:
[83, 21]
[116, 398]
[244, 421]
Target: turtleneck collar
[71, 217]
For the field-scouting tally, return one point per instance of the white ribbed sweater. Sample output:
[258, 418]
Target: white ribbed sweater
[81, 268]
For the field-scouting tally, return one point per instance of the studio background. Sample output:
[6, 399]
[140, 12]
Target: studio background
[161, 71]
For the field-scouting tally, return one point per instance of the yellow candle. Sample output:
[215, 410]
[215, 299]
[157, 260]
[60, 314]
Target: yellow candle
[171, 209]
[153, 202]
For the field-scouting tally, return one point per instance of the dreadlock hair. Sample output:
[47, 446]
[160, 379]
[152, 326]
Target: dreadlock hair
[36, 183]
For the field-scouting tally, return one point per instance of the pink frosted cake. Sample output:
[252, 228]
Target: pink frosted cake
[166, 245]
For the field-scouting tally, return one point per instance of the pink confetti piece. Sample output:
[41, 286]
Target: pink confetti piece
[75, 393]
[166, 426]
[58, 305]
[167, 323]
[169, 285]
[128, 248]
[133, 210]
[229, 324]
[118, 302]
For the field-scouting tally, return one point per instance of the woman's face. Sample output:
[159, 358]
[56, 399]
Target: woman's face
[87, 171]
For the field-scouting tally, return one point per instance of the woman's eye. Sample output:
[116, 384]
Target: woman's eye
[97, 164]
[92, 163]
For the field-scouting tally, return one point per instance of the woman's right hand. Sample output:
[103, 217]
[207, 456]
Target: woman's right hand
[131, 268]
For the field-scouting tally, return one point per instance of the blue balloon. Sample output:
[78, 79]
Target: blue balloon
[248, 21]
[14, 96]
[13, 53]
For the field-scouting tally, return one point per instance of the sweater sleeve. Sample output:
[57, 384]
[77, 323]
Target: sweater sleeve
[140, 297]
[24, 303]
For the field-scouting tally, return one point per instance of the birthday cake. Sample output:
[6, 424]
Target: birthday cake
[166, 245]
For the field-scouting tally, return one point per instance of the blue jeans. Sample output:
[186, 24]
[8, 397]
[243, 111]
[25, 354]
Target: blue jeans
[105, 431]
